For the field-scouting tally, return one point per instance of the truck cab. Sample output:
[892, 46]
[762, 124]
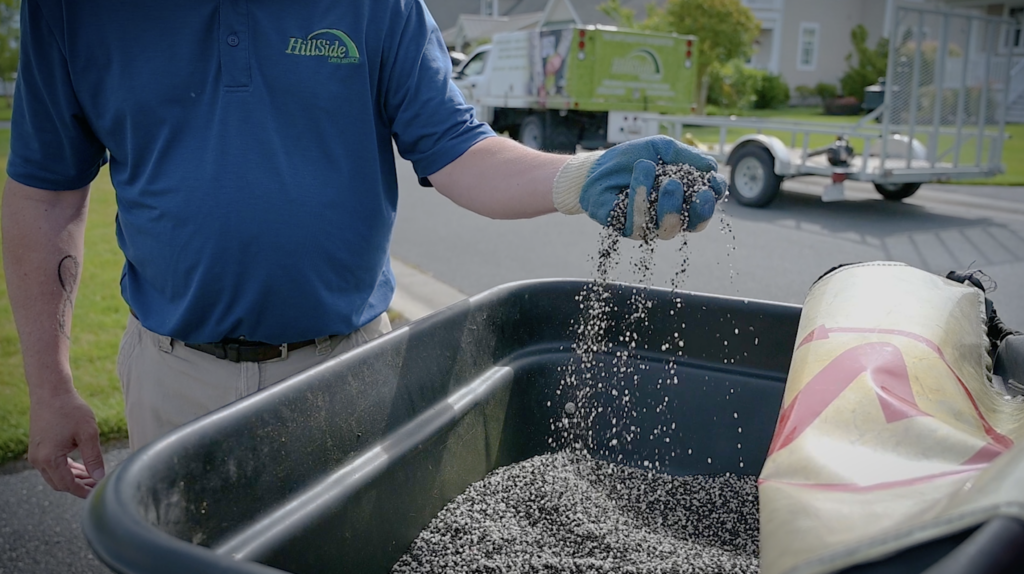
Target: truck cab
[471, 79]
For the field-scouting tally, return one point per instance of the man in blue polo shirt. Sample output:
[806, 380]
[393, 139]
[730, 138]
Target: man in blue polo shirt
[251, 150]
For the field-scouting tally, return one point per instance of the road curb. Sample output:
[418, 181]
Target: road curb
[813, 185]
[418, 294]
[971, 201]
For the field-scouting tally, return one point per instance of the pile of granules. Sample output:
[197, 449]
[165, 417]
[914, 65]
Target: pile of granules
[567, 512]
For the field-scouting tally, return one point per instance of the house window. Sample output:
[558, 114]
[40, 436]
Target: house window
[807, 57]
[1012, 38]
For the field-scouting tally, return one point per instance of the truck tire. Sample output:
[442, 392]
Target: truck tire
[753, 181]
[531, 132]
[897, 191]
[562, 134]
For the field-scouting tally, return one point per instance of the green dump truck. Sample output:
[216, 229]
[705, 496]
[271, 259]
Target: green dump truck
[555, 88]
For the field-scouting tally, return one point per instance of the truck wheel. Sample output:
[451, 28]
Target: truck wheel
[752, 180]
[531, 132]
[897, 191]
[562, 136]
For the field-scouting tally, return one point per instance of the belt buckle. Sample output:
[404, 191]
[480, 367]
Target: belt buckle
[284, 354]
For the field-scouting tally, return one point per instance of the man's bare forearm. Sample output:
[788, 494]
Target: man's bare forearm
[43, 242]
[501, 179]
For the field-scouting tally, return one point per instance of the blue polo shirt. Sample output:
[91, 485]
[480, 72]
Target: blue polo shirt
[250, 144]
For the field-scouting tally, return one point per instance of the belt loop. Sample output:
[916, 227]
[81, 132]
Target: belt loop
[323, 346]
[165, 344]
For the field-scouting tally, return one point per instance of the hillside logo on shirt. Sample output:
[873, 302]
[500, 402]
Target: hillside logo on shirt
[334, 45]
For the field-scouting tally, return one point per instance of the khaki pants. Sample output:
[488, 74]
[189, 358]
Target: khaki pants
[167, 384]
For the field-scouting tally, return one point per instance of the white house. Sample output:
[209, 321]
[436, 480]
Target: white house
[1009, 48]
[804, 41]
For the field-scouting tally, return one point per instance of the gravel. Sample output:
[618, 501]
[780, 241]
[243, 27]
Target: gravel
[567, 512]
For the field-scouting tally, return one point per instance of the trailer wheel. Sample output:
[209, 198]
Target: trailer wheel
[897, 191]
[752, 180]
[531, 132]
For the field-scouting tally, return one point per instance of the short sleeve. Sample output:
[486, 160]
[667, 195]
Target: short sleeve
[431, 123]
[52, 145]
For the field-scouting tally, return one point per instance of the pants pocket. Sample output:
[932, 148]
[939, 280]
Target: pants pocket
[129, 342]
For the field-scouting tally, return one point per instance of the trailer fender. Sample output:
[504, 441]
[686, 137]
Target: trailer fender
[779, 151]
[900, 146]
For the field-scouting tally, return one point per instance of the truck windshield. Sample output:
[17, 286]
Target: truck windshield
[475, 66]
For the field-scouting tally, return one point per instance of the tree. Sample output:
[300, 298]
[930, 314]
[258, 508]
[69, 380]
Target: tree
[10, 41]
[870, 66]
[726, 29]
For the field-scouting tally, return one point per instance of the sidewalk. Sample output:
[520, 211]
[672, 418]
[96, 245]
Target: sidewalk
[418, 294]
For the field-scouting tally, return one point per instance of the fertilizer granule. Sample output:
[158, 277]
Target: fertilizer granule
[567, 512]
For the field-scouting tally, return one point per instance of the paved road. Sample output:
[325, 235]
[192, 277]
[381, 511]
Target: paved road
[40, 530]
[773, 253]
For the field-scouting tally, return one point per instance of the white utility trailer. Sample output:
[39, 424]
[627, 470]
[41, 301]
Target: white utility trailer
[943, 117]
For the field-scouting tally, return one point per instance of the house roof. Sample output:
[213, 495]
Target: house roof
[473, 27]
[446, 12]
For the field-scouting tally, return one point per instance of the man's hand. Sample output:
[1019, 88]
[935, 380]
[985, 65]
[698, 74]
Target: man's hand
[57, 426]
[593, 183]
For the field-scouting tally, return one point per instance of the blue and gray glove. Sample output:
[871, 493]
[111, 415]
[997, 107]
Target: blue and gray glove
[592, 183]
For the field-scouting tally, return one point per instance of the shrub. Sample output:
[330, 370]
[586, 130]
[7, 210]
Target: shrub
[736, 86]
[805, 92]
[926, 100]
[826, 91]
[871, 63]
[733, 85]
[806, 96]
[771, 92]
[929, 54]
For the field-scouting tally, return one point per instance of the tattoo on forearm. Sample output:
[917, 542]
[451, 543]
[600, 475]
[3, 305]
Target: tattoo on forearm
[67, 274]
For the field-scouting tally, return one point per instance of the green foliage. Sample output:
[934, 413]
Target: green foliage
[771, 92]
[905, 57]
[805, 92]
[968, 109]
[10, 40]
[870, 63]
[626, 17]
[731, 86]
[826, 91]
[734, 86]
[726, 29]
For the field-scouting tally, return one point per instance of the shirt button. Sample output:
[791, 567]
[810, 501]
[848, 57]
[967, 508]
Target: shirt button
[232, 40]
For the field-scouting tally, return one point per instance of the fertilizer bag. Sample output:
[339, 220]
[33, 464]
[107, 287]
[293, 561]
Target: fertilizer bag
[891, 432]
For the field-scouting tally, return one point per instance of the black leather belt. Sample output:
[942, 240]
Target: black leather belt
[242, 351]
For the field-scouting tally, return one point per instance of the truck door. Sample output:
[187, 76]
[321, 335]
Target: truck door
[471, 79]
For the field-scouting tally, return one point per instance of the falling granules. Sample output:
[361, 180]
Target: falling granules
[603, 380]
[567, 512]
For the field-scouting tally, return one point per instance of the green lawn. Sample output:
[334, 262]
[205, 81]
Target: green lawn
[1013, 147]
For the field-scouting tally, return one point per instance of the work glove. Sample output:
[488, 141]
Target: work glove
[593, 182]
